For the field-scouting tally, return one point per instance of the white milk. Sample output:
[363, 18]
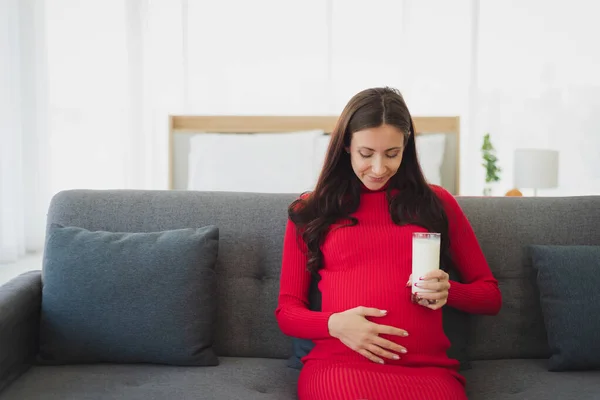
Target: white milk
[425, 256]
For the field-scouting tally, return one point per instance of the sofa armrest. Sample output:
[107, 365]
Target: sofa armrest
[20, 304]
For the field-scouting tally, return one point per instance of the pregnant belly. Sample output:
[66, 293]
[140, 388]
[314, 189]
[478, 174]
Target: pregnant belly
[341, 292]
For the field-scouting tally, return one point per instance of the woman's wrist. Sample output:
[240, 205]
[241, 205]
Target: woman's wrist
[332, 324]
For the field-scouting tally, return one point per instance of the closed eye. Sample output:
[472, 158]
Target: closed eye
[393, 155]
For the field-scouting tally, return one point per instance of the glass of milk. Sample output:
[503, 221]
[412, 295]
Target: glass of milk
[425, 257]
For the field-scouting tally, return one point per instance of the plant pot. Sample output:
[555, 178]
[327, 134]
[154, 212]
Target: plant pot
[489, 189]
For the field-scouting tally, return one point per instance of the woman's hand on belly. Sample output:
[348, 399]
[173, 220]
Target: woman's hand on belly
[361, 335]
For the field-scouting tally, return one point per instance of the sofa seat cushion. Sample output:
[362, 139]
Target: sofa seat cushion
[528, 379]
[234, 378]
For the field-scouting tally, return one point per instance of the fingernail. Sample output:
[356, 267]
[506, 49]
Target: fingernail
[405, 334]
[403, 351]
[381, 362]
[416, 284]
[384, 311]
[421, 278]
[396, 357]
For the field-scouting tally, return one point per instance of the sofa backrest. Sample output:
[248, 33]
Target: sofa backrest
[505, 227]
[251, 237]
[251, 228]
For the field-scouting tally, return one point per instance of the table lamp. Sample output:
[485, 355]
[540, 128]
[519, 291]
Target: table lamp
[536, 169]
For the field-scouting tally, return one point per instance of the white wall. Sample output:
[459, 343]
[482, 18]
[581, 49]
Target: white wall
[310, 58]
[539, 86]
[525, 71]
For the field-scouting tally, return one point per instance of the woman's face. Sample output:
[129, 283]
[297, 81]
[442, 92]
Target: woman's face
[376, 154]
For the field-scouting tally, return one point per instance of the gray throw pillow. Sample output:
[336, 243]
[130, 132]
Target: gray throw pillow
[568, 278]
[129, 297]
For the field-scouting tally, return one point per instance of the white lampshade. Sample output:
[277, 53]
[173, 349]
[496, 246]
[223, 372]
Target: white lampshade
[536, 169]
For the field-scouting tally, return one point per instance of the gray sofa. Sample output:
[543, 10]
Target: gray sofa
[509, 351]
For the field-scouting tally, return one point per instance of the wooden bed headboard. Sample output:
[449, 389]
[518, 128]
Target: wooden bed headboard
[182, 127]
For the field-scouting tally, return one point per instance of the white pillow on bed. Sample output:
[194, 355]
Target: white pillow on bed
[321, 146]
[258, 162]
[430, 151]
[279, 162]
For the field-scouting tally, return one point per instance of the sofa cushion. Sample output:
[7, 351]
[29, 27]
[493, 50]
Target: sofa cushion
[568, 279]
[255, 378]
[129, 297]
[234, 378]
[528, 379]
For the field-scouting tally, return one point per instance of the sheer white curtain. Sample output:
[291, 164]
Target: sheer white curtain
[86, 91]
[23, 130]
[12, 224]
[115, 70]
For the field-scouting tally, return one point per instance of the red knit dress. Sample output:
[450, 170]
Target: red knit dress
[368, 265]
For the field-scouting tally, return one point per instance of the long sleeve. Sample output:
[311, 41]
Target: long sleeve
[479, 292]
[292, 313]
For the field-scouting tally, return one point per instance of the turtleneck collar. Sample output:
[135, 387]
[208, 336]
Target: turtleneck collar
[365, 189]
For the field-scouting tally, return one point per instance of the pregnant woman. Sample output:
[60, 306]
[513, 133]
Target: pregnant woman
[354, 232]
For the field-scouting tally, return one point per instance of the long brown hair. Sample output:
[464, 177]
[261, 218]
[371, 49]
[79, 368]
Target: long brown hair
[337, 192]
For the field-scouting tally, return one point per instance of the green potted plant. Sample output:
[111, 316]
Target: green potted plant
[490, 163]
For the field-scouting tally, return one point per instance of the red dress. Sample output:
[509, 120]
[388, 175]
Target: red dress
[368, 265]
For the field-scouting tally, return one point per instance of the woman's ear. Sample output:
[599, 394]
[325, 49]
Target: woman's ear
[347, 149]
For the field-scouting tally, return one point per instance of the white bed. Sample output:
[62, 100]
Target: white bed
[283, 154]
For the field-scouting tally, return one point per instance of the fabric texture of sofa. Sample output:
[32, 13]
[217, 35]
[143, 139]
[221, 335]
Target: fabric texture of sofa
[509, 352]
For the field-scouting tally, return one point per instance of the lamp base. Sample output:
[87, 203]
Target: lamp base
[514, 193]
